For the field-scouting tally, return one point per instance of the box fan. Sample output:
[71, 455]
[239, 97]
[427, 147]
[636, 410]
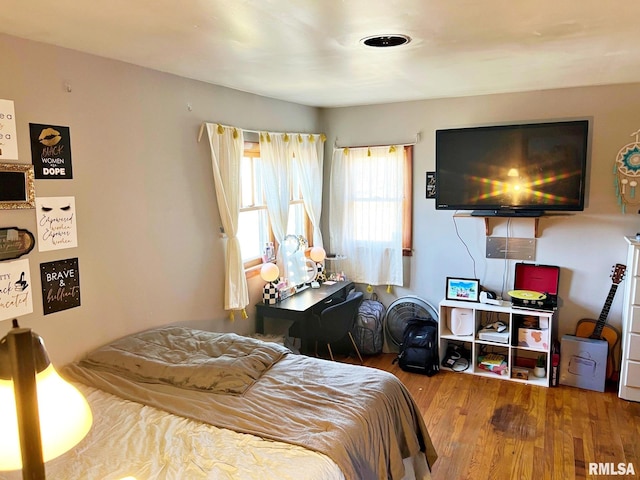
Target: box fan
[399, 313]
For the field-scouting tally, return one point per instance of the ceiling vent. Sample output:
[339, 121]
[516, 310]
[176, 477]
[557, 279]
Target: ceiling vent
[382, 41]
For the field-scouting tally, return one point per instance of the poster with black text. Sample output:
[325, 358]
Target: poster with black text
[56, 223]
[50, 151]
[15, 289]
[60, 285]
[8, 138]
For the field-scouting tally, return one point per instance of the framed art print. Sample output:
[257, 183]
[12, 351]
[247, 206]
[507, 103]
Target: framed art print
[463, 289]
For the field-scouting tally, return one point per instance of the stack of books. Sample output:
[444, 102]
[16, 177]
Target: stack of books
[493, 362]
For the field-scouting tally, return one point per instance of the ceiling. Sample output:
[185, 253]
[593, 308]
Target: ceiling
[309, 51]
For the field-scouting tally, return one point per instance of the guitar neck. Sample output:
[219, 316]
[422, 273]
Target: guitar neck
[602, 320]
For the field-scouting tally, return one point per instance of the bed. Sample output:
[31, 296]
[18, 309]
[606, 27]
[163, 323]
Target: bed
[178, 403]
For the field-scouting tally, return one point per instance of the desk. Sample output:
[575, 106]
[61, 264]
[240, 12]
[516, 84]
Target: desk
[301, 305]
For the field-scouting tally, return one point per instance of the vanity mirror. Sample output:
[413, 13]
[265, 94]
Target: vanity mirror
[298, 268]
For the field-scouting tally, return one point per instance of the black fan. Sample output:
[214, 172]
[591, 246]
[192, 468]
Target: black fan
[400, 312]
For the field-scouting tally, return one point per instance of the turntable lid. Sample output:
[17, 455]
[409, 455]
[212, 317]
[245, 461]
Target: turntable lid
[537, 278]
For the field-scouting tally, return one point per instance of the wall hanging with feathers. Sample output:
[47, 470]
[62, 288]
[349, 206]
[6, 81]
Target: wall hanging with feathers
[627, 173]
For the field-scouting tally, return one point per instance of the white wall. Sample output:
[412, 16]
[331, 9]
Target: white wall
[149, 250]
[585, 245]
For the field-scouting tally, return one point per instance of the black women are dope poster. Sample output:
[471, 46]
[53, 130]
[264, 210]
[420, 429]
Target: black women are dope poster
[51, 151]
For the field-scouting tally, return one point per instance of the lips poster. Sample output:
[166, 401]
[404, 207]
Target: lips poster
[15, 289]
[60, 285]
[51, 151]
[8, 139]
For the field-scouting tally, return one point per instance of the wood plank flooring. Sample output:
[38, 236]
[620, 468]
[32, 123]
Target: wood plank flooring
[485, 428]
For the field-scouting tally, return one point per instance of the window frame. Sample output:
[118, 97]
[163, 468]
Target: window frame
[407, 205]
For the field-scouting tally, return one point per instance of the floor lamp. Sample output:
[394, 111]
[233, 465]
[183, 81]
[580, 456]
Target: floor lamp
[42, 415]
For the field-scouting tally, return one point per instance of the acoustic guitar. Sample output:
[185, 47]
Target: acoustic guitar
[600, 330]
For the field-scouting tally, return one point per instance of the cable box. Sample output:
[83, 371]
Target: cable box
[490, 335]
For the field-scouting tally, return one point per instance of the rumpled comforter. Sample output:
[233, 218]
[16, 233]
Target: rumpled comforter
[362, 418]
[193, 359]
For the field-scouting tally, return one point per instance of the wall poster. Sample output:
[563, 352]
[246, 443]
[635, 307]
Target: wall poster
[15, 289]
[8, 139]
[60, 285]
[51, 151]
[56, 221]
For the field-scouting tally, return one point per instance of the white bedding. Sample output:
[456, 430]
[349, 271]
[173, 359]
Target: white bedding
[133, 441]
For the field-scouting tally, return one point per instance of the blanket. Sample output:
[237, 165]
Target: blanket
[217, 362]
[362, 418]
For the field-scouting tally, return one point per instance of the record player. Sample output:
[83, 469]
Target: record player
[535, 287]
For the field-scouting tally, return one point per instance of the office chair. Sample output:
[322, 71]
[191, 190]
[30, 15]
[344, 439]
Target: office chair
[333, 324]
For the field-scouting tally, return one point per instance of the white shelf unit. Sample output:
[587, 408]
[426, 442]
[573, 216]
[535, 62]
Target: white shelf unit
[515, 354]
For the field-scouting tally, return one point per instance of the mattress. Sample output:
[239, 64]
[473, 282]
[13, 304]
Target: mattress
[129, 440]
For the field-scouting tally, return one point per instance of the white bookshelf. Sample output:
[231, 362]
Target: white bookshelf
[514, 353]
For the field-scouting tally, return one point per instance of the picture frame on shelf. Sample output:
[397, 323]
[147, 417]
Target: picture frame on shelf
[463, 289]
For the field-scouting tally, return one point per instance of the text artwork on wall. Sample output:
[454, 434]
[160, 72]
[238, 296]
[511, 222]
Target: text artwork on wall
[56, 217]
[51, 151]
[60, 285]
[8, 139]
[15, 289]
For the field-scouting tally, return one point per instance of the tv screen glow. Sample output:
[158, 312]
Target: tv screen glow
[538, 167]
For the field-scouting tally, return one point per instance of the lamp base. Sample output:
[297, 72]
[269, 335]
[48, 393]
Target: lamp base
[270, 293]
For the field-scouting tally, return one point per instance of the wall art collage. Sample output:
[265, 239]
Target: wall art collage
[55, 219]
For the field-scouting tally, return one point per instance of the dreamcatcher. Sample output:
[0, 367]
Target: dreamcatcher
[627, 172]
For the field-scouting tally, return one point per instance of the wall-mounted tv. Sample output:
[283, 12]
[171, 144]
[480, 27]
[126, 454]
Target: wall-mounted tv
[512, 170]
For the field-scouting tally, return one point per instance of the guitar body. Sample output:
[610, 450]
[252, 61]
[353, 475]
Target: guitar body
[585, 329]
[599, 329]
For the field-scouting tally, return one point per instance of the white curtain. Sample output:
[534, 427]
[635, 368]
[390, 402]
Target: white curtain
[367, 192]
[227, 147]
[274, 156]
[308, 152]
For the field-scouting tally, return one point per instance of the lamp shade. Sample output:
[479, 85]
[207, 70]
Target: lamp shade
[269, 272]
[42, 416]
[65, 418]
[317, 254]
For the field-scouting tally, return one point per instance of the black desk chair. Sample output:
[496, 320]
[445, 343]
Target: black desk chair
[332, 324]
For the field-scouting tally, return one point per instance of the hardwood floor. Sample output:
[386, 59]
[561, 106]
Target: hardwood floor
[485, 428]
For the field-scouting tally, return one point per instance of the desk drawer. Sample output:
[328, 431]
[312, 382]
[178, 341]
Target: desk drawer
[332, 300]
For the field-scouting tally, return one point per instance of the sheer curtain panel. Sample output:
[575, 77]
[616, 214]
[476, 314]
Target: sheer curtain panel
[308, 158]
[227, 146]
[367, 193]
[274, 156]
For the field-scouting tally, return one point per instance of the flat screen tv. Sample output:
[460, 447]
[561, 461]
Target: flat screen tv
[512, 170]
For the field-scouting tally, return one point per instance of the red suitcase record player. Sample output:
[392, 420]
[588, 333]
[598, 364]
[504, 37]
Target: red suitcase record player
[535, 286]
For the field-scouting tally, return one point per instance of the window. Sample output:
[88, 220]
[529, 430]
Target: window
[253, 222]
[371, 211]
[298, 221]
[374, 200]
[254, 229]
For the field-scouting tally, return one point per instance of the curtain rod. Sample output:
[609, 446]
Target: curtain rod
[249, 130]
[413, 142]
